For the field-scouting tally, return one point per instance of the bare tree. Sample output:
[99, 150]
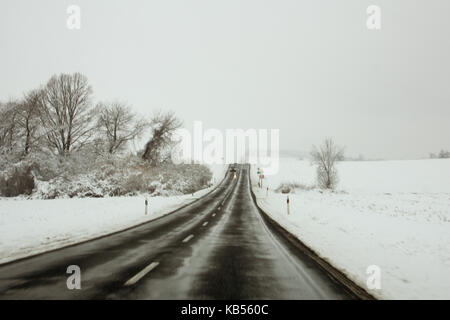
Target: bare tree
[8, 126]
[326, 157]
[66, 112]
[27, 116]
[119, 125]
[163, 127]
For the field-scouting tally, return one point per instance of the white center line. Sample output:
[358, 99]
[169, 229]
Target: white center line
[187, 239]
[141, 274]
[205, 224]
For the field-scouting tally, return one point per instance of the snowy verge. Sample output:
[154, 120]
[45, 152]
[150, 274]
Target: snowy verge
[30, 227]
[406, 234]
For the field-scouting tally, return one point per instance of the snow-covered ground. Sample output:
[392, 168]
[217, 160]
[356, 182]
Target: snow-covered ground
[393, 214]
[29, 227]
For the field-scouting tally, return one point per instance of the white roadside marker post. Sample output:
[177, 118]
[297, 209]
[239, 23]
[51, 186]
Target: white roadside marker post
[261, 178]
[258, 172]
[287, 201]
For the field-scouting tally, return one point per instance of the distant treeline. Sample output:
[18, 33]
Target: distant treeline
[443, 154]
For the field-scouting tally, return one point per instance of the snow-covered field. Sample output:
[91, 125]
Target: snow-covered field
[29, 227]
[393, 214]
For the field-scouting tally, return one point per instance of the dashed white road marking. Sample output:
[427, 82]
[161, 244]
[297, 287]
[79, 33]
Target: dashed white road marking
[214, 214]
[219, 208]
[205, 224]
[141, 274]
[187, 239]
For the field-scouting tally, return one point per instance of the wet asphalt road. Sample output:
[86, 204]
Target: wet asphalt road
[219, 247]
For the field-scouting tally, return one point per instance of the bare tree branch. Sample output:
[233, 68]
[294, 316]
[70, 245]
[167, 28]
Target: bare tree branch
[119, 125]
[66, 112]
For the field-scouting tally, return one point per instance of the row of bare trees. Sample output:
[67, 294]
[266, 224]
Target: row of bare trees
[60, 117]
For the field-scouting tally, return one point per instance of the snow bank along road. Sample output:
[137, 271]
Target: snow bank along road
[219, 247]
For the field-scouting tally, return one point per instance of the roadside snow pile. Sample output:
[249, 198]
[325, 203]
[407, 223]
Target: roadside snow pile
[29, 227]
[393, 214]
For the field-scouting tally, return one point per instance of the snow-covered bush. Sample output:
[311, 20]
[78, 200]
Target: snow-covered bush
[166, 179]
[90, 174]
[20, 182]
[291, 187]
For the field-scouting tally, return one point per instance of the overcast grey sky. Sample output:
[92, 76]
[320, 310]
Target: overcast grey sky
[310, 68]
